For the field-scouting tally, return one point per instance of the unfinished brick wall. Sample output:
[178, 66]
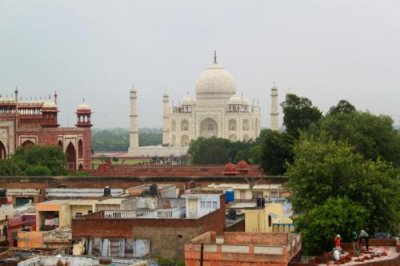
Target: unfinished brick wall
[167, 236]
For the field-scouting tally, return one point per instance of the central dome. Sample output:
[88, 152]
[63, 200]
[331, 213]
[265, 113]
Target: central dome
[215, 81]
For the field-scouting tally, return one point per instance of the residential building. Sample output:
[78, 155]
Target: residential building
[236, 248]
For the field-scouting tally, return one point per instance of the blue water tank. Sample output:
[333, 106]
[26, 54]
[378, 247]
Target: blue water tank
[229, 196]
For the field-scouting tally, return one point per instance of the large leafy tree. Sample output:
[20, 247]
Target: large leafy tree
[39, 159]
[209, 151]
[372, 136]
[299, 114]
[324, 168]
[275, 152]
[335, 216]
[9, 168]
[219, 151]
[343, 106]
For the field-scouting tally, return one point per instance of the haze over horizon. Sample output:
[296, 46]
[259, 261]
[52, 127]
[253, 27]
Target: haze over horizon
[323, 50]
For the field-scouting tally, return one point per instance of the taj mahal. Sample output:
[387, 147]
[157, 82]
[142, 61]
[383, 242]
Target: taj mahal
[216, 111]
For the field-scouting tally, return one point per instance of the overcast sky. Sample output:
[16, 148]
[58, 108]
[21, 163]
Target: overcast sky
[325, 50]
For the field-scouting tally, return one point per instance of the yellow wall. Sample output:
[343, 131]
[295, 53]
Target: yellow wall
[84, 209]
[256, 220]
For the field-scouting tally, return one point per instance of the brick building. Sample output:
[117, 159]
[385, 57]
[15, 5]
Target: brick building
[236, 248]
[142, 232]
[27, 122]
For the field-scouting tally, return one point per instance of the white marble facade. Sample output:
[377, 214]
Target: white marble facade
[216, 111]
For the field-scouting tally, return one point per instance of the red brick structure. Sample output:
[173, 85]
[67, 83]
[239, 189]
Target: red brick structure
[108, 169]
[166, 236]
[24, 123]
[235, 248]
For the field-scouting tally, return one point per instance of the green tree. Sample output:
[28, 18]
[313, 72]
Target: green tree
[37, 170]
[209, 151]
[320, 225]
[343, 106]
[324, 168]
[9, 168]
[50, 157]
[299, 113]
[276, 150]
[371, 135]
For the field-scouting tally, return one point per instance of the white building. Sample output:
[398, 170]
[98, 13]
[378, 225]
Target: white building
[216, 111]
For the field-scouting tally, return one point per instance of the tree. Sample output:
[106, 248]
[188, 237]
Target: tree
[9, 168]
[37, 170]
[319, 226]
[209, 151]
[275, 152]
[343, 106]
[324, 168]
[50, 157]
[372, 136]
[299, 113]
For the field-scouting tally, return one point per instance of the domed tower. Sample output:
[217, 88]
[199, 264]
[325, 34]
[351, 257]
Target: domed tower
[49, 114]
[83, 115]
[214, 83]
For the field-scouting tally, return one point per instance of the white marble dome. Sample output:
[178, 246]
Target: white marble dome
[187, 100]
[83, 106]
[245, 101]
[215, 80]
[49, 104]
[235, 99]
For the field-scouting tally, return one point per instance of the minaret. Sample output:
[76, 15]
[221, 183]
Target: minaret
[166, 122]
[274, 108]
[133, 132]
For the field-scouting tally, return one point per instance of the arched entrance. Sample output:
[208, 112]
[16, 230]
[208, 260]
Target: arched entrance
[60, 144]
[3, 150]
[80, 149]
[27, 144]
[208, 128]
[71, 157]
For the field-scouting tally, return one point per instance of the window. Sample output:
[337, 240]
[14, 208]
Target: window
[208, 204]
[215, 205]
[202, 204]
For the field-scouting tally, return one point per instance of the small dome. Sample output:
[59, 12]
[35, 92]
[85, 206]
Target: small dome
[83, 106]
[187, 100]
[215, 81]
[230, 167]
[245, 101]
[235, 99]
[49, 104]
[242, 165]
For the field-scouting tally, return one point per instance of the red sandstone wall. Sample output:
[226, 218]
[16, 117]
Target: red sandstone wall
[176, 170]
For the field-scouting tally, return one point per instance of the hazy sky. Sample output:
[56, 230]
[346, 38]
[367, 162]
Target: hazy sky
[325, 50]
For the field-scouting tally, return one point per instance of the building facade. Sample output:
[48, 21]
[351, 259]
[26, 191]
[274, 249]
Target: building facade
[216, 111]
[28, 122]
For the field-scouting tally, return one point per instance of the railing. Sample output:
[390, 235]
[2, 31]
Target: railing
[125, 214]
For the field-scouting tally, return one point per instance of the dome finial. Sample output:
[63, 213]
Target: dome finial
[215, 56]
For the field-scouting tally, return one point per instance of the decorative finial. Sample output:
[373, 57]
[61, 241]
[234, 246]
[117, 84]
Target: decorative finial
[215, 57]
[16, 90]
[55, 97]
[133, 87]
[83, 99]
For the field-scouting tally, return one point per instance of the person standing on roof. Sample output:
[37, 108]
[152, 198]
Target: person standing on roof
[354, 236]
[363, 235]
[338, 242]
